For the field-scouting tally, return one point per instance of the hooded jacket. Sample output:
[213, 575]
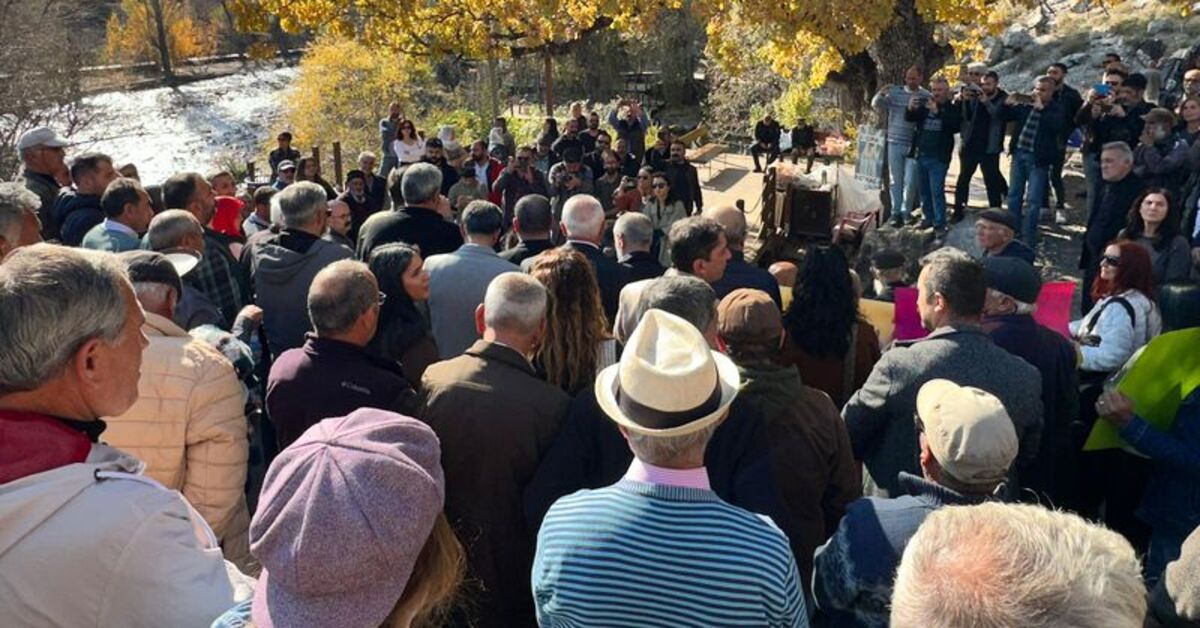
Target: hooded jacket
[189, 427]
[75, 214]
[282, 266]
[86, 540]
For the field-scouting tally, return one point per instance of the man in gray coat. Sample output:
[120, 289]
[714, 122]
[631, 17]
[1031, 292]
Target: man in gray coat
[951, 294]
[458, 280]
[283, 264]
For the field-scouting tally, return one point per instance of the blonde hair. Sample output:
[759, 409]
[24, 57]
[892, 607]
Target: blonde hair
[575, 321]
[999, 565]
[434, 581]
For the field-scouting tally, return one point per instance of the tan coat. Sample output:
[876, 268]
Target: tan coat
[189, 428]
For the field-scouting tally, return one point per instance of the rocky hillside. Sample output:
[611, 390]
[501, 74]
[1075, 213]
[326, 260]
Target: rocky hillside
[1079, 33]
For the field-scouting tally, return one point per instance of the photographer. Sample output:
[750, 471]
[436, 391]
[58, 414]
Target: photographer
[1112, 112]
[937, 121]
[1034, 147]
[568, 178]
[518, 180]
[982, 135]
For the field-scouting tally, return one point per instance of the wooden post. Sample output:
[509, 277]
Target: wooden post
[548, 79]
[250, 172]
[337, 165]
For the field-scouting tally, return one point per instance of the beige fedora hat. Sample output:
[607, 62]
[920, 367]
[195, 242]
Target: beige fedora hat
[668, 382]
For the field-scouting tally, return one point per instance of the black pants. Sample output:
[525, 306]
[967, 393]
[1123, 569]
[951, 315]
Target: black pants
[993, 180]
[1105, 486]
[1056, 182]
[772, 151]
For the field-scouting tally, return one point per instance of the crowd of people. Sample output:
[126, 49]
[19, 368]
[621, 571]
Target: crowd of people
[501, 385]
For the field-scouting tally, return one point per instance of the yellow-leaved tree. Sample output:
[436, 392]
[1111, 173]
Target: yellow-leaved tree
[162, 31]
[342, 86]
[484, 31]
[867, 42]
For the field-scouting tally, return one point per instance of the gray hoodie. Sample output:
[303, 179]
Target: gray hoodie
[98, 544]
[282, 266]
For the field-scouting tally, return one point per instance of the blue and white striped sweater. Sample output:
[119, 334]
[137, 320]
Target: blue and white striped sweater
[638, 554]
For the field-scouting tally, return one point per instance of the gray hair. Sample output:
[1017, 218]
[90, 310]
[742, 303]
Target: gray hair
[53, 299]
[582, 216]
[1016, 565]
[482, 218]
[660, 451]
[515, 302]
[637, 229]
[340, 294]
[169, 229]
[152, 294]
[685, 296]
[1120, 147]
[297, 205]
[422, 183]
[1045, 78]
[15, 200]
[365, 154]
[1022, 308]
[958, 277]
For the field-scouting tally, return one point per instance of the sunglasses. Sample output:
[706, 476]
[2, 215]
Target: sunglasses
[661, 186]
[1110, 260]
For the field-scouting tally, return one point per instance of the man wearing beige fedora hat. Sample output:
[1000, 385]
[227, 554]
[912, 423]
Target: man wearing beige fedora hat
[666, 548]
[968, 443]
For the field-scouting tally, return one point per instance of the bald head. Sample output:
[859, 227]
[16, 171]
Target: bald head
[784, 273]
[733, 221]
[583, 219]
[343, 302]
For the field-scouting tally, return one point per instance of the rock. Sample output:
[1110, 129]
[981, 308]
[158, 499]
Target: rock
[1075, 60]
[1156, 27]
[1017, 40]
[915, 244]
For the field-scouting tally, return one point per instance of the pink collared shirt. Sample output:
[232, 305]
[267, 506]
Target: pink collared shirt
[686, 478]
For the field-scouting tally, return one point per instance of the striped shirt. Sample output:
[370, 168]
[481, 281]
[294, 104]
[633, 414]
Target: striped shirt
[639, 554]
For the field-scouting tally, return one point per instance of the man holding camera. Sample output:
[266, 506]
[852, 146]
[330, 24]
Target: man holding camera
[894, 100]
[518, 180]
[982, 135]
[1112, 113]
[1033, 148]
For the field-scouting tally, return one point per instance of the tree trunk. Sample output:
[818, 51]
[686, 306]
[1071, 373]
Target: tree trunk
[162, 43]
[908, 41]
[548, 79]
[491, 78]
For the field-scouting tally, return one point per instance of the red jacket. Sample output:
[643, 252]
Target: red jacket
[494, 170]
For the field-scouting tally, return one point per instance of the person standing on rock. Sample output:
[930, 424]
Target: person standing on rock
[1034, 149]
[937, 122]
[982, 132]
[893, 100]
[1070, 101]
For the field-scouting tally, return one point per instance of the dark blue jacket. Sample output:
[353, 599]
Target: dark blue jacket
[1172, 498]
[1054, 357]
[854, 571]
[76, 214]
[742, 274]
[1049, 131]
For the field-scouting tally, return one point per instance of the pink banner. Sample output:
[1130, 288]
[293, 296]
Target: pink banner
[1054, 310]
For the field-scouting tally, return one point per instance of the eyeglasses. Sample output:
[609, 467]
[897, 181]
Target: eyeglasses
[1110, 260]
[661, 186]
[382, 298]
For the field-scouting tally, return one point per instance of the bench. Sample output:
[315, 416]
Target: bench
[705, 155]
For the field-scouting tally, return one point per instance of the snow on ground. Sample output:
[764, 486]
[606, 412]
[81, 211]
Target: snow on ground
[190, 127]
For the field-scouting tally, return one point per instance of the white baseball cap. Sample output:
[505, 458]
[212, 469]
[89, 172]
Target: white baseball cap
[41, 136]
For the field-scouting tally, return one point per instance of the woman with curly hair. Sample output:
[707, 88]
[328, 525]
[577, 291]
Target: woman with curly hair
[828, 339]
[403, 334]
[577, 343]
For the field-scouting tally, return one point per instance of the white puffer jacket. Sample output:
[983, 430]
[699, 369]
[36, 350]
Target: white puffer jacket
[1119, 337]
[189, 427]
[97, 544]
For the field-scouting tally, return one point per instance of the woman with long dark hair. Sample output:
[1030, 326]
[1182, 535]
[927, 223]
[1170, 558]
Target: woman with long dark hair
[664, 208]
[834, 347]
[403, 334]
[577, 343]
[1153, 222]
[549, 130]
[409, 146]
[309, 169]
